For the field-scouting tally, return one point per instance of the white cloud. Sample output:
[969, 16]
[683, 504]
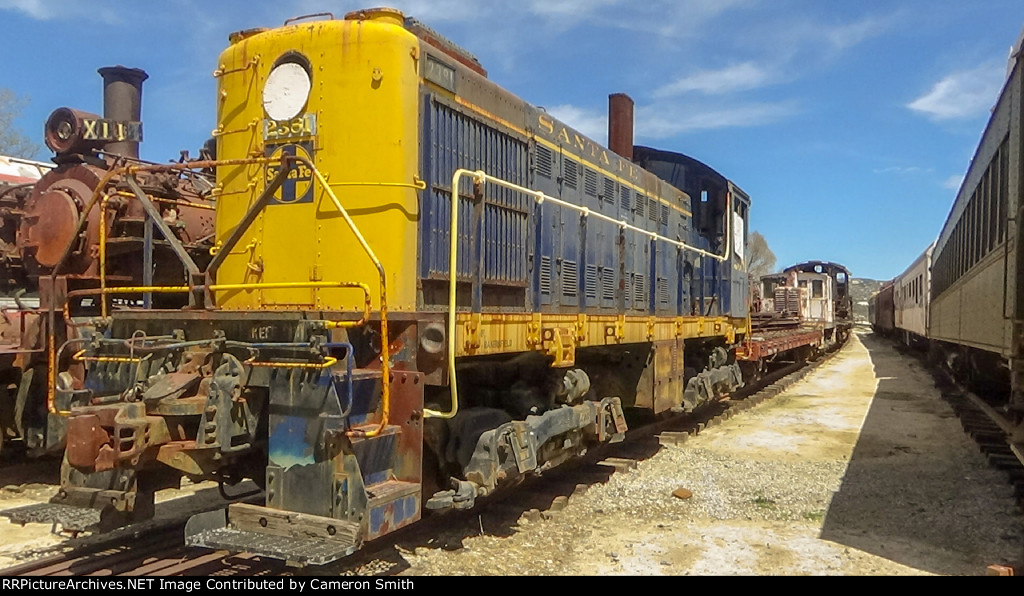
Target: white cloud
[953, 182]
[44, 11]
[739, 77]
[435, 11]
[674, 20]
[574, 8]
[37, 9]
[663, 120]
[592, 123]
[846, 36]
[963, 94]
[902, 170]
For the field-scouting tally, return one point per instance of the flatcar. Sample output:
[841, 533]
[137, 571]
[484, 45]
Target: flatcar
[794, 316]
[422, 289]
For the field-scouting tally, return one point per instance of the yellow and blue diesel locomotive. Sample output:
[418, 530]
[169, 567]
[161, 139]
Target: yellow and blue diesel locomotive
[422, 289]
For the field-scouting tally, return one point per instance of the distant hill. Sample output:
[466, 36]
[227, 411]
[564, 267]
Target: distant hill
[861, 288]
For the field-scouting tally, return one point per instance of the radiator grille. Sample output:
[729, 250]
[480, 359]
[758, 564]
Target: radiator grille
[590, 182]
[591, 282]
[544, 161]
[572, 173]
[545, 275]
[570, 278]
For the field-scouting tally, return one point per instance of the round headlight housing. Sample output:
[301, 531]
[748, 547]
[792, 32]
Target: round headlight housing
[286, 91]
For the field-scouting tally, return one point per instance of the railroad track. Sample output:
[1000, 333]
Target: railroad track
[18, 470]
[989, 429]
[159, 549]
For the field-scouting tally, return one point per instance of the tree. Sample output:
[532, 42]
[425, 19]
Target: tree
[12, 142]
[760, 260]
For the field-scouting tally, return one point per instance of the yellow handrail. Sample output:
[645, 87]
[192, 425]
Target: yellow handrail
[81, 358]
[330, 324]
[367, 304]
[51, 332]
[385, 348]
[180, 202]
[103, 255]
[328, 362]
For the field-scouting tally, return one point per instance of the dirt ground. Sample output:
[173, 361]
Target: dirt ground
[859, 469]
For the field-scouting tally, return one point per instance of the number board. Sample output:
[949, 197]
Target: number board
[104, 129]
[298, 127]
[298, 187]
[438, 72]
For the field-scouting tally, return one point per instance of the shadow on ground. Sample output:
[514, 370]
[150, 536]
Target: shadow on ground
[914, 492]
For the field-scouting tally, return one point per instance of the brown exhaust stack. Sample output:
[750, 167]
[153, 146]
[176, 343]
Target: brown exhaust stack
[620, 124]
[122, 102]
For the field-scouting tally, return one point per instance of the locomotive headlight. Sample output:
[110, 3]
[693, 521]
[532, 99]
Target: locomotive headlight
[286, 91]
[74, 131]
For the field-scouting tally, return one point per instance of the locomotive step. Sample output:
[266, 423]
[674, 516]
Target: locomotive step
[392, 504]
[69, 517]
[298, 538]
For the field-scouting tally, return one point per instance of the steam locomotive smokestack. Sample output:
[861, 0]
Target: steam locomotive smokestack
[620, 124]
[122, 102]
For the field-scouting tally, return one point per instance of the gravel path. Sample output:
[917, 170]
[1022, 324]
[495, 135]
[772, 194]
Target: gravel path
[859, 469]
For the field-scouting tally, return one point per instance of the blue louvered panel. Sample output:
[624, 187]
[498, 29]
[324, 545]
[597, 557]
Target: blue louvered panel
[608, 251]
[505, 236]
[545, 275]
[601, 269]
[608, 190]
[640, 295]
[439, 247]
[591, 282]
[458, 141]
[589, 182]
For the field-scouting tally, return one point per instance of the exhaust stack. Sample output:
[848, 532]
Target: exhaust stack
[620, 124]
[122, 102]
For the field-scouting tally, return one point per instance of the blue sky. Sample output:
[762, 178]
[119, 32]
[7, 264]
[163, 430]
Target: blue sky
[850, 123]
